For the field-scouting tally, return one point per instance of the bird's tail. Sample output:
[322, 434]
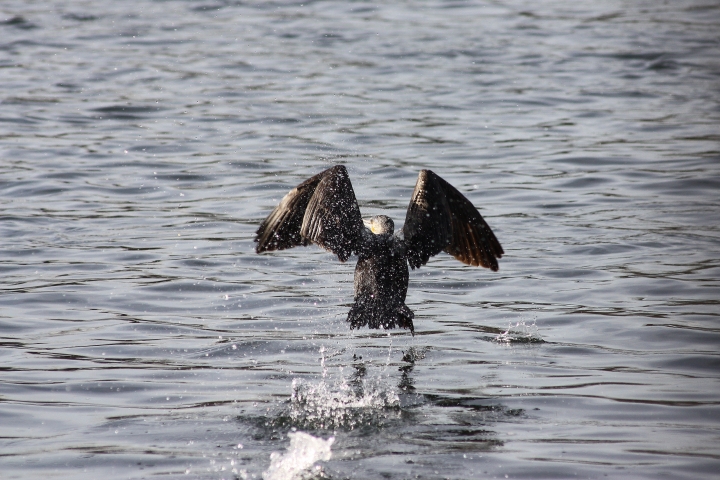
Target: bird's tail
[376, 313]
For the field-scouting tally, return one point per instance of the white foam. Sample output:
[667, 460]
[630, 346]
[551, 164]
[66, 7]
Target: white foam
[301, 455]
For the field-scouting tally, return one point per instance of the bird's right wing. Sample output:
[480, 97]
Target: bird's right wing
[439, 218]
[322, 210]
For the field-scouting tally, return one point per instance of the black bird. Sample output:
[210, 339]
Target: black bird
[323, 210]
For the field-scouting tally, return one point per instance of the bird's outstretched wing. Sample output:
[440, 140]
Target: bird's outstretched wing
[439, 218]
[321, 210]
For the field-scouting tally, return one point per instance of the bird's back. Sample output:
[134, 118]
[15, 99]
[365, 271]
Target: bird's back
[382, 271]
[381, 283]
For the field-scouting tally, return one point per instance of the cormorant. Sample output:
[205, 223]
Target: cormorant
[323, 210]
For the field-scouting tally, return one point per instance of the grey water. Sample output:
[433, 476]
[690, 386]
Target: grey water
[142, 142]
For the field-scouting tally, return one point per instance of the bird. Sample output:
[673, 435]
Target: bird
[323, 210]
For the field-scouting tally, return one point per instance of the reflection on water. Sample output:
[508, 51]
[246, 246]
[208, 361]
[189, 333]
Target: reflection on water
[141, 143]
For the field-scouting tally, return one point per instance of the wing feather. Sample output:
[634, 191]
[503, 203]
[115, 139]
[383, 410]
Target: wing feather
[427, 228]
[321, 210]
[439, 218]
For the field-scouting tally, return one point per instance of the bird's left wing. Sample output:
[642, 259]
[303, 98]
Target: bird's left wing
[322, 210]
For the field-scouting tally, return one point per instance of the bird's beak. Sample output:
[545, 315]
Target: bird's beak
[368, 223]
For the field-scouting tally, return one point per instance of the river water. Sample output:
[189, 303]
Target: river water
[142, 143]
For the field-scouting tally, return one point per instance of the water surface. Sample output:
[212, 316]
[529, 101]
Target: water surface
[142, 142]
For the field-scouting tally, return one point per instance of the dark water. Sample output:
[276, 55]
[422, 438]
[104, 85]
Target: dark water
[142, 142]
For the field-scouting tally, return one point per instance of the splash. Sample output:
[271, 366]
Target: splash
[301, 455]
[520, 332]
[324, 405]
[339, 401]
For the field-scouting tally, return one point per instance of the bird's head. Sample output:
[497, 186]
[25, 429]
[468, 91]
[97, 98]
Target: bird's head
[380, 225]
